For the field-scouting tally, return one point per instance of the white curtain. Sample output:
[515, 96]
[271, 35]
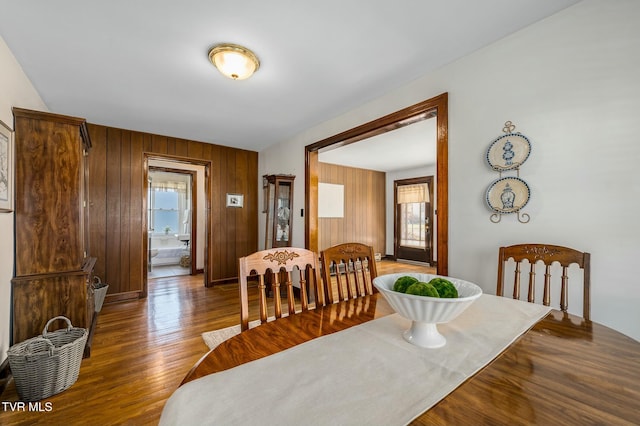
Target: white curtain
[158, 184]
[166, 186]
[418, 193]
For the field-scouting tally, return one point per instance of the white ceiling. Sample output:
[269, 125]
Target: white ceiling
[404, 148]
[143, 64]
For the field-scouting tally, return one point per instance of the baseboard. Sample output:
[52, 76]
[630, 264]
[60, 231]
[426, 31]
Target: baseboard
[5, 375]
[413, 262]
[122, 297]
[395, 259]
[222, 281]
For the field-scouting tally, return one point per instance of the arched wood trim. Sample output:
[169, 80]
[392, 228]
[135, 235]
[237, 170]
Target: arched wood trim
[435, 107]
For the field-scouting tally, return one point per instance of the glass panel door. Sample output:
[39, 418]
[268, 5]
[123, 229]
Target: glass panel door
[413, 217]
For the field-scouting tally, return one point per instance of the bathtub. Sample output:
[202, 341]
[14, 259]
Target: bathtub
[166, 250]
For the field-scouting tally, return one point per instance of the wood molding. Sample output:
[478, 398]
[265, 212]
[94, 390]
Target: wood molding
[123, 297]
[435, 107]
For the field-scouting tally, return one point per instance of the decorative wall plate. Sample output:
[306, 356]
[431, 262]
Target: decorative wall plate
[508, 195]
[508, 152]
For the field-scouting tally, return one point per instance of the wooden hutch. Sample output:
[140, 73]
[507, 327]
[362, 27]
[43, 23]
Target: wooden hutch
[53, 271]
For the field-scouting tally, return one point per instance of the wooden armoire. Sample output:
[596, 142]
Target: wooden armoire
[53, 271]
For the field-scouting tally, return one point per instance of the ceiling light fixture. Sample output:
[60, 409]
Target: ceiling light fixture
[234, 61]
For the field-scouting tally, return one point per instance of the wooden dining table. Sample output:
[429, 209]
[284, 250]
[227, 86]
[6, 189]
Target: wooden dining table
[563, 370]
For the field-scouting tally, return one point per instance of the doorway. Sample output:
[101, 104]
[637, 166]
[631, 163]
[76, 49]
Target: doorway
[413, 219]
[198, 216]
[435, 107]
[171, 207]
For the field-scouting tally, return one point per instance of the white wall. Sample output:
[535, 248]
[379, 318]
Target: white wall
[570, 83]
[15, 90]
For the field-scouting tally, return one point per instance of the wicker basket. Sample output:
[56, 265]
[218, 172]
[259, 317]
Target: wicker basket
[48, 364]
[99, 292]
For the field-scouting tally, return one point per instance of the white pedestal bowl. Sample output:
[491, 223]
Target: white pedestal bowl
[425, 312]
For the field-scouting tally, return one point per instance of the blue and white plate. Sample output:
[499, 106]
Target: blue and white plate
[508, 152]
[508, 195]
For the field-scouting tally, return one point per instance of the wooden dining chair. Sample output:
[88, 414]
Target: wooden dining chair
[547, 254]
[348, 271]
[274, 270]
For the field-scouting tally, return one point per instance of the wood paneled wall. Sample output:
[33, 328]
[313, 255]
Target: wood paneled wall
[364, 208]
[116, 194]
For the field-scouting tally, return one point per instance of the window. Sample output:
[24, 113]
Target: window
[165, 211]
[412, 230]
[169, 202]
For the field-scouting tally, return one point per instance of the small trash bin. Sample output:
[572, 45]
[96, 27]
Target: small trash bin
[99, 292]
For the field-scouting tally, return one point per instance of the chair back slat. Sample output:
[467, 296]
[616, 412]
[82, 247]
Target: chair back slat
[565, 289]
[546, 297]
[290, 296]
[361, 276]
[275, 269]
[516, 287]
[532, 283]
[304, 297]
[351, 283]
[262, 294]
[547, 254]
[348, 271]
[339, 279]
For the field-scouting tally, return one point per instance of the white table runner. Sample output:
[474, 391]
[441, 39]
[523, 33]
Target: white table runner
[366, 374]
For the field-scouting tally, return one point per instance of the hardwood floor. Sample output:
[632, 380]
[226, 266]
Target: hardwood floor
[141, 352]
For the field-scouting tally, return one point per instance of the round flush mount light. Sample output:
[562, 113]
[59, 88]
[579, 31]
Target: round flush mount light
[234, 61]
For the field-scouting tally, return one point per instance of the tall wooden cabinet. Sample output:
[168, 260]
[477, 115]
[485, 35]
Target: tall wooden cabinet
[53, 271]
[278, 199]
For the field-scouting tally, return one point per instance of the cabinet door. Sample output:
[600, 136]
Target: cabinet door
[278, 206]
[282, 209]
[37, 300]
[48, 197]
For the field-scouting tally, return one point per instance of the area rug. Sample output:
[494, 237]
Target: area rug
[213, 338]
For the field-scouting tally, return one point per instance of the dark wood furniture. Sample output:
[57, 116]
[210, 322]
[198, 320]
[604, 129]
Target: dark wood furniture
[547, 254]
[564, 370]
[278, 205]
[348, 271]
[273, 268]
[53, 272]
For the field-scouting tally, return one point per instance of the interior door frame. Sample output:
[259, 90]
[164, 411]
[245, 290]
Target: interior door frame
[435, 107]
[207, 209]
